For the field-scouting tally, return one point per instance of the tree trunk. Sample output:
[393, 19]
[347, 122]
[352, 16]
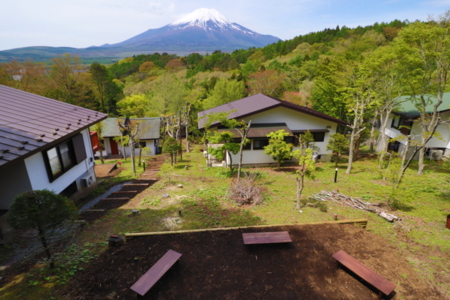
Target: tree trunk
[421, 161]
[133, 165]
[384, 116]
[243, 138]
[102, 160]
[300, 184]
[46, 249]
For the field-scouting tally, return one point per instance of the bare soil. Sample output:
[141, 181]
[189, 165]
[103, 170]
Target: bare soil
[217, 265]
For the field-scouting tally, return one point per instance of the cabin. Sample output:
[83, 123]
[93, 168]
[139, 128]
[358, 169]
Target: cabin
[148, 133]
[404, 121]
[44, 144]
[269, 114]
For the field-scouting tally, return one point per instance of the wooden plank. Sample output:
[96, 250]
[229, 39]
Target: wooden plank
[124, 198]
[94, 210]
[374, 279]
[124, 192]
[145, 283]
[266, 237]
[134, 184]
[136, 234]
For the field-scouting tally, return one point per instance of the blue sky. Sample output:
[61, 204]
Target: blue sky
[84, 23]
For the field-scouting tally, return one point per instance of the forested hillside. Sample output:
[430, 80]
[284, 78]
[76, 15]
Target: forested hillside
[349, 73]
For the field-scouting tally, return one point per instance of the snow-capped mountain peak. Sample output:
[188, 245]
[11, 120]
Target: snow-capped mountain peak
[201, 17]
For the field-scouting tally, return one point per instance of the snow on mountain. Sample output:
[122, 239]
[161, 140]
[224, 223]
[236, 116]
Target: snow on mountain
[200, 17]
[202, 30]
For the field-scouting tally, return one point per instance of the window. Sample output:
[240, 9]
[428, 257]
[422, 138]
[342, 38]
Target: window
[290, 139]
[402, 124]
[64, 156]
[317, 136]
[247, 146]
[140, 145]
[260, 143]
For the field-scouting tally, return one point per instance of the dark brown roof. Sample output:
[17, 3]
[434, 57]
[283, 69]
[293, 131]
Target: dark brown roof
[258, 103]
[29, 122]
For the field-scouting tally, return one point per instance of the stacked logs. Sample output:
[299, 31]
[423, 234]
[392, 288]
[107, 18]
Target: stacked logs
[357, 203]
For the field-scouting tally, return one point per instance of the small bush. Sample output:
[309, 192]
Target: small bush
[246, 191]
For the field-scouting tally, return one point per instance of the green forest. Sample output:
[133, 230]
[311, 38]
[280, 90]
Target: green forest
[353, 74]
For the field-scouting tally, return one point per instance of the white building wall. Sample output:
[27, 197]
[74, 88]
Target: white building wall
[38, 176]
[440, 140]
[297, 121]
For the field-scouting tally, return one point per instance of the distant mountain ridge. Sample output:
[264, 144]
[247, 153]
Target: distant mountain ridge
[203, 30]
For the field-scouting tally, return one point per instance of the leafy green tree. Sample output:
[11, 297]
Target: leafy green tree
[171, 146]
[384, 66]
[99, 128]
[44, 211]
[307, 167]
[338, 143]
[227, 139]
[135, 106]
[278, 148]
[65, 80]
[425, 52]
[108, 92]
[227, 145]
[224, 91]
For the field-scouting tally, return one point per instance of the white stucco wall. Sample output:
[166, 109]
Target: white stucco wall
[295, 121]
[148, 143]
[440, 140]
[38, 174]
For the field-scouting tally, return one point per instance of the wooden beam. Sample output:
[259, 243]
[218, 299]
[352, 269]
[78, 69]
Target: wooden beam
[357, 222]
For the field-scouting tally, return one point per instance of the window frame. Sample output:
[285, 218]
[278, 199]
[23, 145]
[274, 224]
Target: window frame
[69, 153]
[262, 145]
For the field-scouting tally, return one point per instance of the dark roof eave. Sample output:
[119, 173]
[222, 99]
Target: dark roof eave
[49, 145]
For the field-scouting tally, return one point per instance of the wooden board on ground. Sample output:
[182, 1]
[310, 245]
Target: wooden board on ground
[145, 283]
[383, 285]
[266, 237]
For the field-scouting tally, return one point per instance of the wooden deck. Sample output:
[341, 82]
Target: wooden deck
[380, 283]
[266, 237]
[145, 283]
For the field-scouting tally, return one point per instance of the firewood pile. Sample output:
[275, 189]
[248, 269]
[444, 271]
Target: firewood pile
[357, 203]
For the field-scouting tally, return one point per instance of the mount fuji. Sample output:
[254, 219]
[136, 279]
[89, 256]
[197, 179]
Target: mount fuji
[202, 30]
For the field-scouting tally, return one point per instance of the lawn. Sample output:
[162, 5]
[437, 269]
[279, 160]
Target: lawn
[192, 196]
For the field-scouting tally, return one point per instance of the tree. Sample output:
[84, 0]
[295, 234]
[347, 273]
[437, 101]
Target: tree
[307, 167]
[44, 211]
[425, 49]
[267, 82]
[384, 65]
[106, 89]
[65, 80]
[171, 146]
[227, 139]
[359, 96]
[338, 143]
[27, 76]
[99, 128]
[136, 105]
[131, 129]
[278, 148]
[224, 91]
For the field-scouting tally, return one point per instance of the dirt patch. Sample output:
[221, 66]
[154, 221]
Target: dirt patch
[106, 170]
[217, 265]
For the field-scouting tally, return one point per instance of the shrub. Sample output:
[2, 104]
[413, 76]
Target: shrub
[246, 191]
